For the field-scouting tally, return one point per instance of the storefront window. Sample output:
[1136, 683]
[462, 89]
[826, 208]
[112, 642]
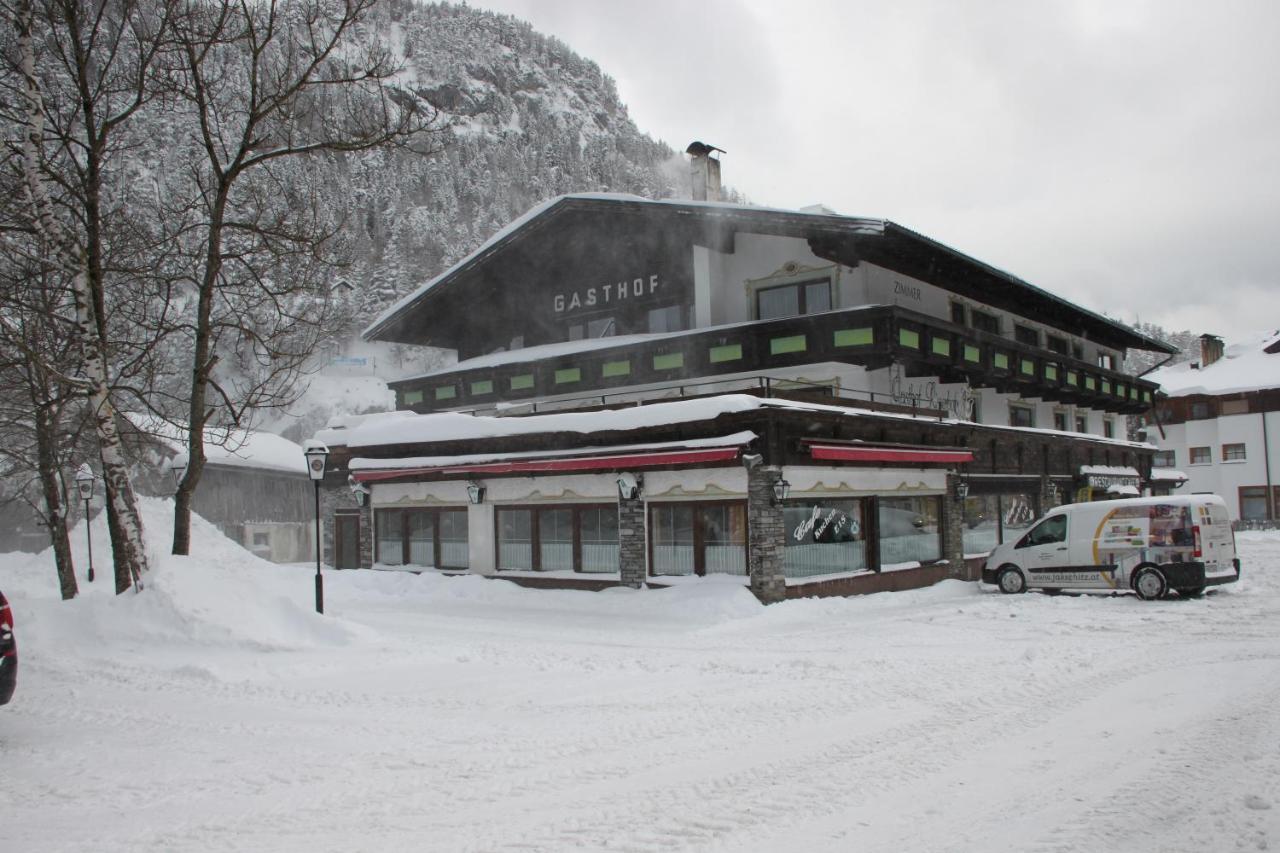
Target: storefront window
[981, 524]
[671, 526]
[425, 537]
[558, 538]
[599, 534]
[909, 530]
[515, 538]
[390, 535]
[824, 537]
[454, 551]
[555, 540]
[698, 538]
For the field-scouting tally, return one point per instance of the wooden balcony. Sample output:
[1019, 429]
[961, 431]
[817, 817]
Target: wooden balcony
[872, 338]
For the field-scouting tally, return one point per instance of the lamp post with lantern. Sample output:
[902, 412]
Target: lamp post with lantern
[317, 455]
[84, 482]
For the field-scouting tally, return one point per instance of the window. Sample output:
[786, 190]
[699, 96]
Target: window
[1048, 532]
[1077, 352]
[261, 539]
[1106, 361]
[1234, 407]
[1060, 421]
[990, 519]
[668, 319]
[1057, 344]
[558, 538]
[1233, 453]
[909, 530]
[1253, 503]
[1108, 428]
[1082, 423]
[823, 537]
[984, 322]
[1026, 335]
[1022, 416]
[1200, 411]
[421, 537]
[1164, 459]
[1200, 456]
[698, 538]
[791, 300]
[957, 313]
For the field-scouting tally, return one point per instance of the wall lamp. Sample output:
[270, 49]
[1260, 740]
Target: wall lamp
[781, 491]
[360, 490]
[629, 486]
[475, 493]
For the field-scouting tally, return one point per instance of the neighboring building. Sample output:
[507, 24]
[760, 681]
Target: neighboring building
[650, 390]
[254, 487]
[1219, 422]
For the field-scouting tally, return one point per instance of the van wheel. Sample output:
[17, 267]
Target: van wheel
[1011, 581]
[1190, 591]
[1150, 584]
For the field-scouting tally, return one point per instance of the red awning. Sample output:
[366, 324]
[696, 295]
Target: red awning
[903, 455]
[561, 465]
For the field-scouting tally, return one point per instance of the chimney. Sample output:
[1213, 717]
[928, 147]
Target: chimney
[704, 171]
[1210, 349]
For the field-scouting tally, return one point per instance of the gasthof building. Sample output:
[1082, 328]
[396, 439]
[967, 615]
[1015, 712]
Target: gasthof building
[649, 392]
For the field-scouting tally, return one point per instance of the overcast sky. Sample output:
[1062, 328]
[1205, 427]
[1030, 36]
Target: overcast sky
[1125, 155]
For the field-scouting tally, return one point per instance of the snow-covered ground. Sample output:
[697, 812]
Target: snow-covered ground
[217, 711]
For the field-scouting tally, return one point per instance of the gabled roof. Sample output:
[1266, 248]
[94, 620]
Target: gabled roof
[1252, 363]
[843, 239]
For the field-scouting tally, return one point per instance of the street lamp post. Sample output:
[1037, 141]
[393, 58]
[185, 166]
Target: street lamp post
[84, 482]
[317, 454]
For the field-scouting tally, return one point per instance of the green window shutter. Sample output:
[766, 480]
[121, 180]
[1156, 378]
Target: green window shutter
[793, 343]
[1106, 386]
[1073, 378]
[909, 338]
[1001, 360]
[616, 368]
[1051, 371]
[446, 392]
[972, 353]
[1146, 396]
[726, 352]
[481, 386]
[411, 397]
[668, 361]
[565, 375]
[523, 382]
[941, 346]
[1089, 384]
[854, 337]
[1028, 367]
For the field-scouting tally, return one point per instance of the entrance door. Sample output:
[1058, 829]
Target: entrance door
[346, 536]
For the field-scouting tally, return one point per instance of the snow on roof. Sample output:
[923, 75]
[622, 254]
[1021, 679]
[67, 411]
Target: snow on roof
[1115, 489]
[866, 225]
[737, 439]
[403, 427]
[1109, 470]
[1245, 366]
[233, 447]
[1168, 474]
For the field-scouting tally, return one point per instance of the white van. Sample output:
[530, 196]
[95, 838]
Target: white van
[1149, 545]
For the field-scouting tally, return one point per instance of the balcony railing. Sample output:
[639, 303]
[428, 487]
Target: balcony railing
[872, 338]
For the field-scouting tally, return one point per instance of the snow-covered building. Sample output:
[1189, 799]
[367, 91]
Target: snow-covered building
[650, 390]
[1218, 423]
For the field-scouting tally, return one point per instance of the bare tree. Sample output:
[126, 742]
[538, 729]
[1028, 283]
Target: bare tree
[74, 107]
[276, 88]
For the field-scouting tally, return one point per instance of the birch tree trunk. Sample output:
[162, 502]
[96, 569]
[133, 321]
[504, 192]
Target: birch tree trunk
[123, 519]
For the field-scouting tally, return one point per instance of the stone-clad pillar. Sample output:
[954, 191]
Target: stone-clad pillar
[632, 551]
[332, 499]
[953, 530]
[1048, 495]
[768, 535]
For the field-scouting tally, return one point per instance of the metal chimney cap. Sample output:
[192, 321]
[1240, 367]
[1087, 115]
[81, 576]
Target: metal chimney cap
[702, 149]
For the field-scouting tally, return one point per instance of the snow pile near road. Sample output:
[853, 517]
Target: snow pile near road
[221, 596]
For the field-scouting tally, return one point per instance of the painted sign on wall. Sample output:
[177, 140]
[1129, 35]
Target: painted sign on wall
[606, 294]
[926, 394]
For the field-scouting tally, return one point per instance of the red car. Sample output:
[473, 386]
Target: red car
[8, 652]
